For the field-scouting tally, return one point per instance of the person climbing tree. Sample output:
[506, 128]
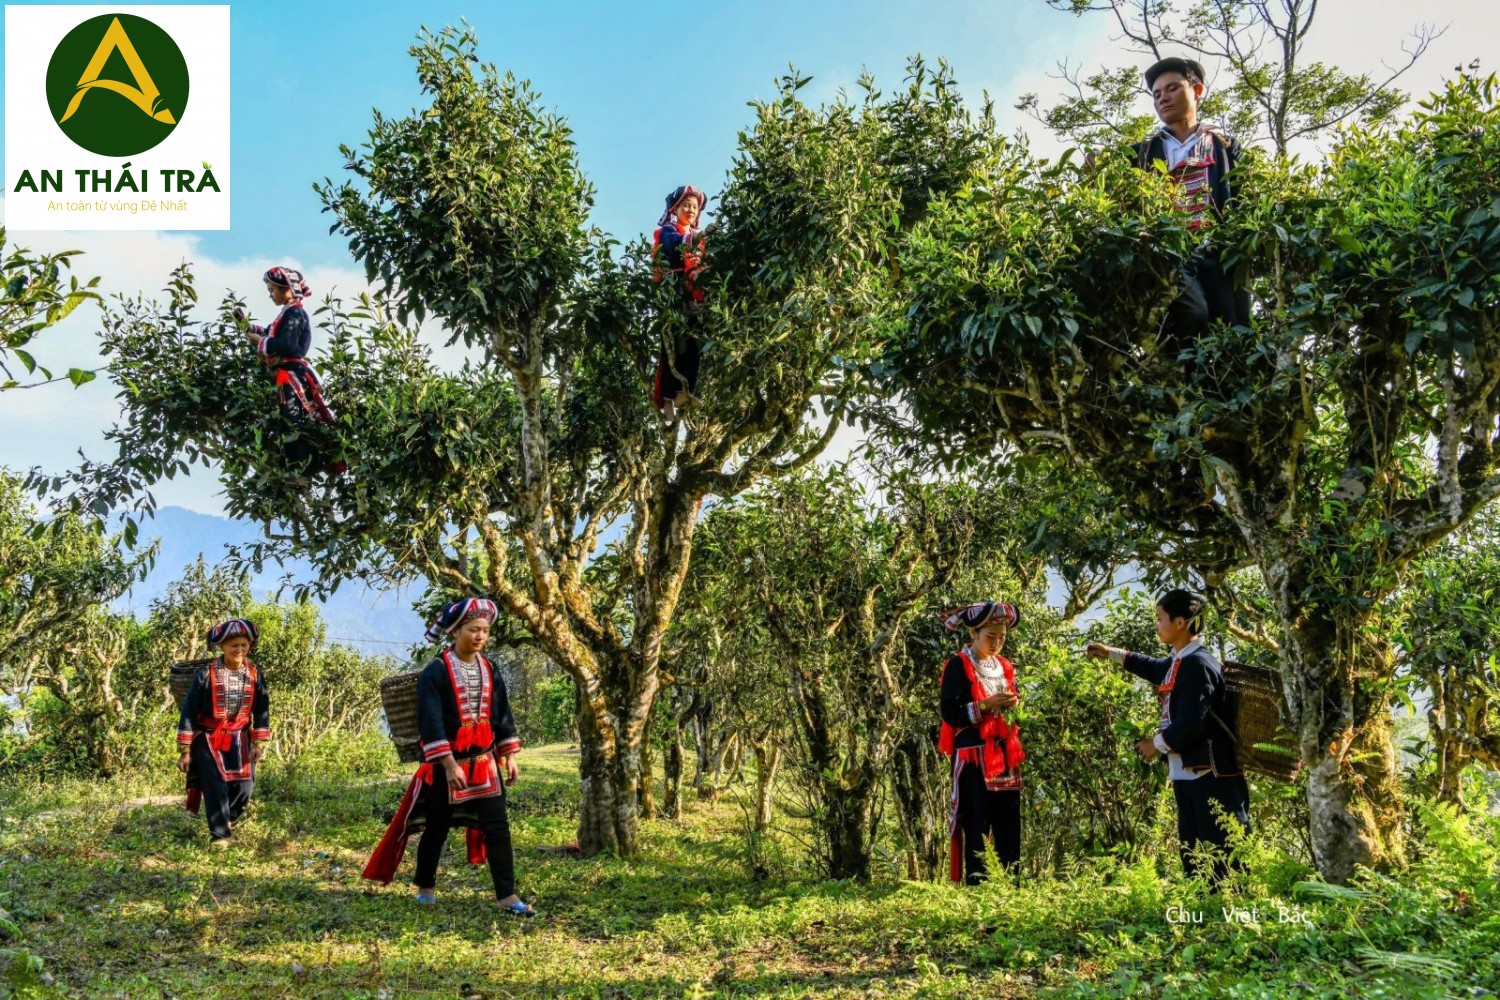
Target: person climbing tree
[1199, 159]
[678, 247]
[284, 346]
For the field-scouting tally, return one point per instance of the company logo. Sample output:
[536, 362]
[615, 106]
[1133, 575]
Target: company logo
[117, 84]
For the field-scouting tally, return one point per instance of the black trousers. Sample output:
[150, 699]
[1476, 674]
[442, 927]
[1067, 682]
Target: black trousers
[298, 447]
[687, 351]
[492, 820]
[1197, 823]
[986, 814]
[1208, 294]
[223, 801]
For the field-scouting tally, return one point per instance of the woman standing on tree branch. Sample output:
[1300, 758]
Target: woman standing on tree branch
[678, 246]
[223, 729]
[979, 687]
[468, 739]
[284, 346]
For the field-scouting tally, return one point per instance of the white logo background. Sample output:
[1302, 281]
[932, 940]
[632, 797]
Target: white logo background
[34, 142]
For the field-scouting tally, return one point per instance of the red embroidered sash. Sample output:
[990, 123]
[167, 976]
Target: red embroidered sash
[994, 731]
[221, 737]
[474, 730]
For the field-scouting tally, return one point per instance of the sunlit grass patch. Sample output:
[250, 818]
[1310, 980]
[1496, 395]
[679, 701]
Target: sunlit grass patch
[117, 896]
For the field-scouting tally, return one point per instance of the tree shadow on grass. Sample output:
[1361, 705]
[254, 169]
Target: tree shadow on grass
[184, 911]
[119, 898]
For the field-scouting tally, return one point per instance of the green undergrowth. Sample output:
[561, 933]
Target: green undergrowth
[109, 889]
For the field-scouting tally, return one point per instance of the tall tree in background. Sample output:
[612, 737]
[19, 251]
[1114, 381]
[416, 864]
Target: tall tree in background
[1349, 429]
[473, 211]
[1450, 647]
[56, 581]
[1262, 84]
[826, 588]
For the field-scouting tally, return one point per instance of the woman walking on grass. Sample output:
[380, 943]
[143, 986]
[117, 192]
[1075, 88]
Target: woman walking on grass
[468, 740]
[223, 729]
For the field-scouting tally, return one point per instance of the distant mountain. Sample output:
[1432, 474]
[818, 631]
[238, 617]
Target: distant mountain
[371, 620]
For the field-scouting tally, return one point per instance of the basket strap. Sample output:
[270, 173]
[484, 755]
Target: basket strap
[1225, 726]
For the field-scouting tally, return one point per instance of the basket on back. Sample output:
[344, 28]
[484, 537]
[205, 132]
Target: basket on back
[398, 696]
[181, 677]
[1258, 720]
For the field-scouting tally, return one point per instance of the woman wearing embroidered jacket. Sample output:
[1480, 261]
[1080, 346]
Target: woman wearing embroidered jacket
[678, 246]
[979, 688]
[284, 346]
[468, 740]
[223, 729]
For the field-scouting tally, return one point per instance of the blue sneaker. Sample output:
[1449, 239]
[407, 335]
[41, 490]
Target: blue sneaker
[427, 896]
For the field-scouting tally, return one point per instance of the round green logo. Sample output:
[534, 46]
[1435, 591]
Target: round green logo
[117, 85]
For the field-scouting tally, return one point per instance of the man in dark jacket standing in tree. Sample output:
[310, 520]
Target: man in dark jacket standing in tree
[1199, 160]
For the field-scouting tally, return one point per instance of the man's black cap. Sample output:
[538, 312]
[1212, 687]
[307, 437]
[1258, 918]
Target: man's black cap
[1190, 68]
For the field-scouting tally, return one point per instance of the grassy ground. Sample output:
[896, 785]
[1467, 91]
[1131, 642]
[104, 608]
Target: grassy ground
[109, 891]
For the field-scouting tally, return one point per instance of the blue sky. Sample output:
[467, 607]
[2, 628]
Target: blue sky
[656, 94]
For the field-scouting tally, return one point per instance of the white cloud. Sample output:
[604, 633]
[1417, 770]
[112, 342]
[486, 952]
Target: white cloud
[1363, 36]
[50, 424]
[47, 426]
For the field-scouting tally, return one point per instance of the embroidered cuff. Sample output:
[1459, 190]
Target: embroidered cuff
[508, 747]
[1160, 744]
[260, 348]
[432, 751]
[184, 738]
[260, 735]
[1118, 655]
[974, 711]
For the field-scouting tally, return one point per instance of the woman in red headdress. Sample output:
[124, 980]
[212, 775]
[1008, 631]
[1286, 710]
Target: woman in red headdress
[978, 692]
[678, 246]
[469, 746]
[284, 345]
[223, 728]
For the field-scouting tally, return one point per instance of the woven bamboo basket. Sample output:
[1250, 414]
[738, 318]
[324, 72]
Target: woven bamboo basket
[398, 696]
[181, 677]
[1258, 718]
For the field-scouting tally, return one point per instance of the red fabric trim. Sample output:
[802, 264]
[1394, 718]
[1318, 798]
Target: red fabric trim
[690, 259]
[955, 834]
[1163, 699]
[224, 732]
[993, 730]
[1170, 681]
[392, 847]
[387, 856]
[474, 731]
[481, 777]
[508, 747]
[194, 799]
[474, 843]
